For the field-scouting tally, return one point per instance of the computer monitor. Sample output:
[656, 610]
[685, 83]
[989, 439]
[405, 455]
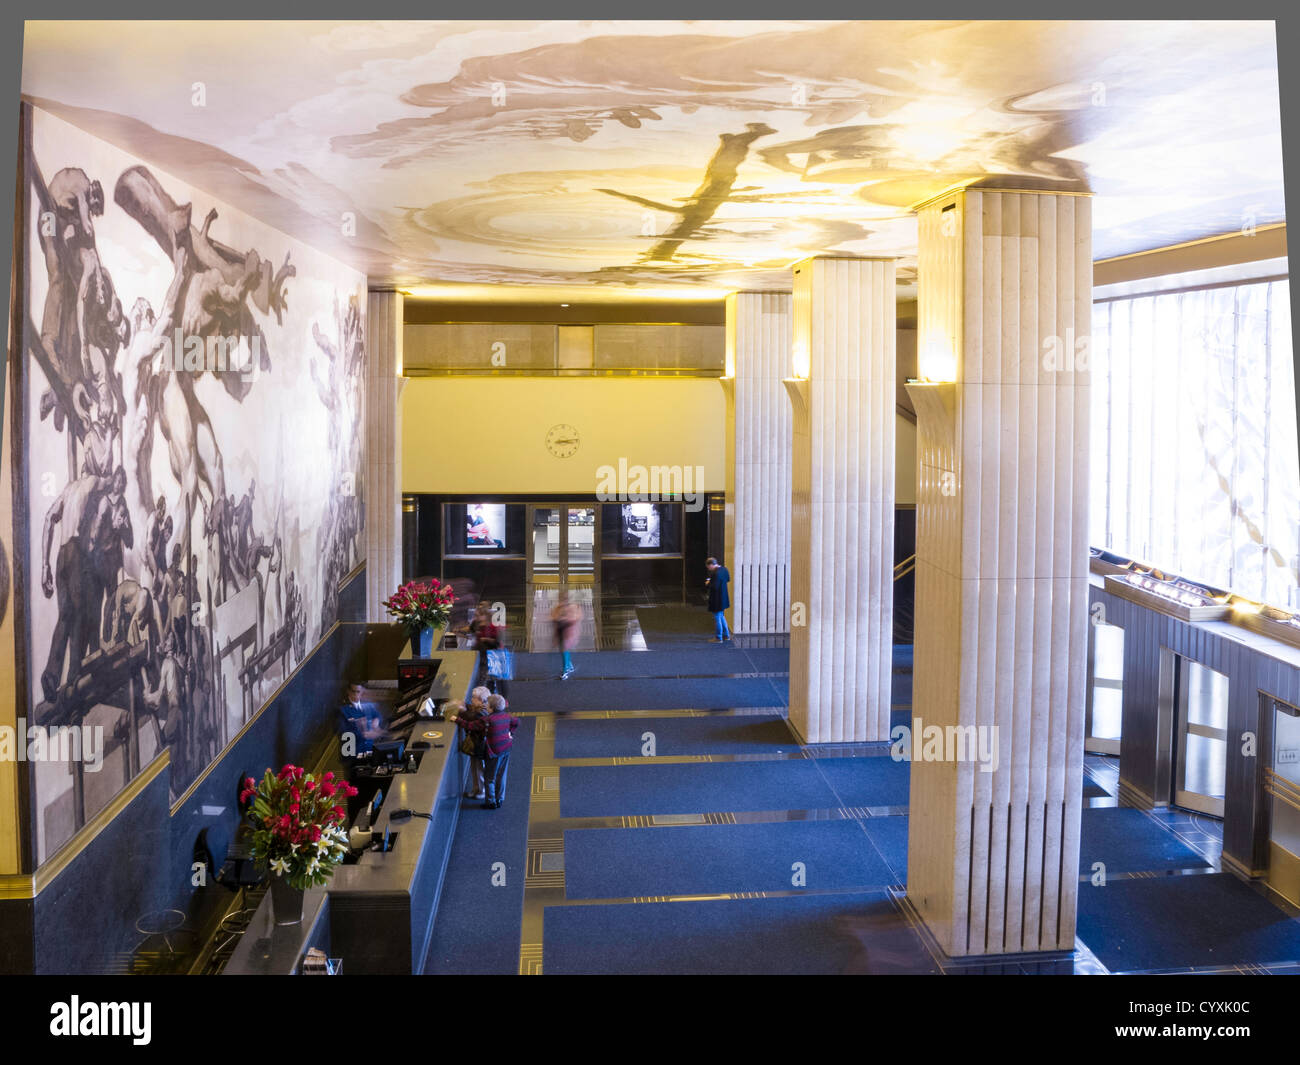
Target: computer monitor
[389, 752]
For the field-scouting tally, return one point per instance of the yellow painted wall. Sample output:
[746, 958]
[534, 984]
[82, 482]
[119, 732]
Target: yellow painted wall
[488, 434]
[464, 435]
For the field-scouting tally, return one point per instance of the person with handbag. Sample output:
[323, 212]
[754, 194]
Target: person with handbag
[487, 637]
[500, 664]
[472, 721]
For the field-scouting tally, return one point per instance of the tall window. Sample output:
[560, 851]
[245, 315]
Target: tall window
[1194, 462]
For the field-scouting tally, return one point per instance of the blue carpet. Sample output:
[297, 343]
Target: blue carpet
[889, 836]
[900, 689]
[797, 784]
[903, 656]
[701, 787]
[769, 659]
[717, 734]
[1175, 922]
[476, 929]
[707, 693]
[799, 934]
[607, 863]
[1128, 841]
[878, 781]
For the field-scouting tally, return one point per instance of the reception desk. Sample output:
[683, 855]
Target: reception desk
[377, 915]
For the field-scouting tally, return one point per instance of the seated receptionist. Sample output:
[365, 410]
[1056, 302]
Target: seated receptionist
[361, 720]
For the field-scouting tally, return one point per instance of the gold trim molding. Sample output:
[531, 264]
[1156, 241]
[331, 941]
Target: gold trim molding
[29, 885]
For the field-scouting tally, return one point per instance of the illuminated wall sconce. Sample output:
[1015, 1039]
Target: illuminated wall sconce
[937, 363]
[801, 362]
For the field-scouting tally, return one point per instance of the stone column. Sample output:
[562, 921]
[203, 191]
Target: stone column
[383, 486]
[842, 511]
[758, 460]
[1005, 289]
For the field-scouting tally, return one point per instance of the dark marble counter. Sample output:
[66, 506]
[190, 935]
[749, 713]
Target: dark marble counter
[380, 910]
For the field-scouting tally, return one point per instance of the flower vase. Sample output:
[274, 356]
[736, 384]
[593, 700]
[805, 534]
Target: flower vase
[422, 644]
[286, 901]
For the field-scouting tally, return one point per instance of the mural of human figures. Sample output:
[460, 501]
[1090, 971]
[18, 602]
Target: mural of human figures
[192, 450]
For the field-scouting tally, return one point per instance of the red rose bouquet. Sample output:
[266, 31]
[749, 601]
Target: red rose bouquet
[421, 604]
[299, 823]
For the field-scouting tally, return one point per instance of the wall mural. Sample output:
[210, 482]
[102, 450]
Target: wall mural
[168, 374]
[632, 154]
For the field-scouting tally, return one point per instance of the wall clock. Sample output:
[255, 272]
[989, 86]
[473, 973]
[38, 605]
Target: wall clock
[562, 441]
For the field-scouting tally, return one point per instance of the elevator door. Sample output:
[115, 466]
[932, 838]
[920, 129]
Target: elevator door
[1202, 738]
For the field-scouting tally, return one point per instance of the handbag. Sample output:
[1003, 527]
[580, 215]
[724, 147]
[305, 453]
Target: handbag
[467, 744]
[501, 663]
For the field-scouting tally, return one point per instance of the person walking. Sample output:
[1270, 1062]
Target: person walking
[566, 616]
[498, 740]
[487, 637]
[719, 599]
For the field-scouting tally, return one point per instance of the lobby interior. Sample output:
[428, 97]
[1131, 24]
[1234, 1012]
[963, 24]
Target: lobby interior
[965, 347]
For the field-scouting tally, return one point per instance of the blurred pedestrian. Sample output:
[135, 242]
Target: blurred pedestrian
[565, 617]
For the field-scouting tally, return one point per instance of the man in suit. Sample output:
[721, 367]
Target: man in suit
[361, 721]
[719, 600]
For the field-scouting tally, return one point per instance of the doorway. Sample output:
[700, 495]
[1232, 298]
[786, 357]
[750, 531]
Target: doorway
[563, 547]
[1105, 697]
[1201, 733]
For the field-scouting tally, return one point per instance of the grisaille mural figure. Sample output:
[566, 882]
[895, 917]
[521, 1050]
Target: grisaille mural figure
[168, 597]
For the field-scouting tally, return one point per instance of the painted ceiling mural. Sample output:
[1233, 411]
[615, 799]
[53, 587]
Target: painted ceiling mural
[659, 154]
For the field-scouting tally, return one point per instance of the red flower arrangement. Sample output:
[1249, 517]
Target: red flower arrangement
[421, 604]
[298, 823]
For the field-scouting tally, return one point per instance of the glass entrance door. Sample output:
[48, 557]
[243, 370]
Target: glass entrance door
[580, 545]
[562, 544]
[1202, 738]
[1106, 690]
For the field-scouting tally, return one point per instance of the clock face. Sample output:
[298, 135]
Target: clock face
[562, 441]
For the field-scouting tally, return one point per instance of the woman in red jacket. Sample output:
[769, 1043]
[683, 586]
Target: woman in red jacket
[498, 740]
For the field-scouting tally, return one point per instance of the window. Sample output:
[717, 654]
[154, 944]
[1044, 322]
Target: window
[1194, 436]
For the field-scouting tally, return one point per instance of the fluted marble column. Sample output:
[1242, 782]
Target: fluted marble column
[842, 509]
[758, 460]
[384, 325]
[1005, 289]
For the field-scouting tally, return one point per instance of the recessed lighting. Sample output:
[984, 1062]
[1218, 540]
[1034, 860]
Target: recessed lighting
[563, 304]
